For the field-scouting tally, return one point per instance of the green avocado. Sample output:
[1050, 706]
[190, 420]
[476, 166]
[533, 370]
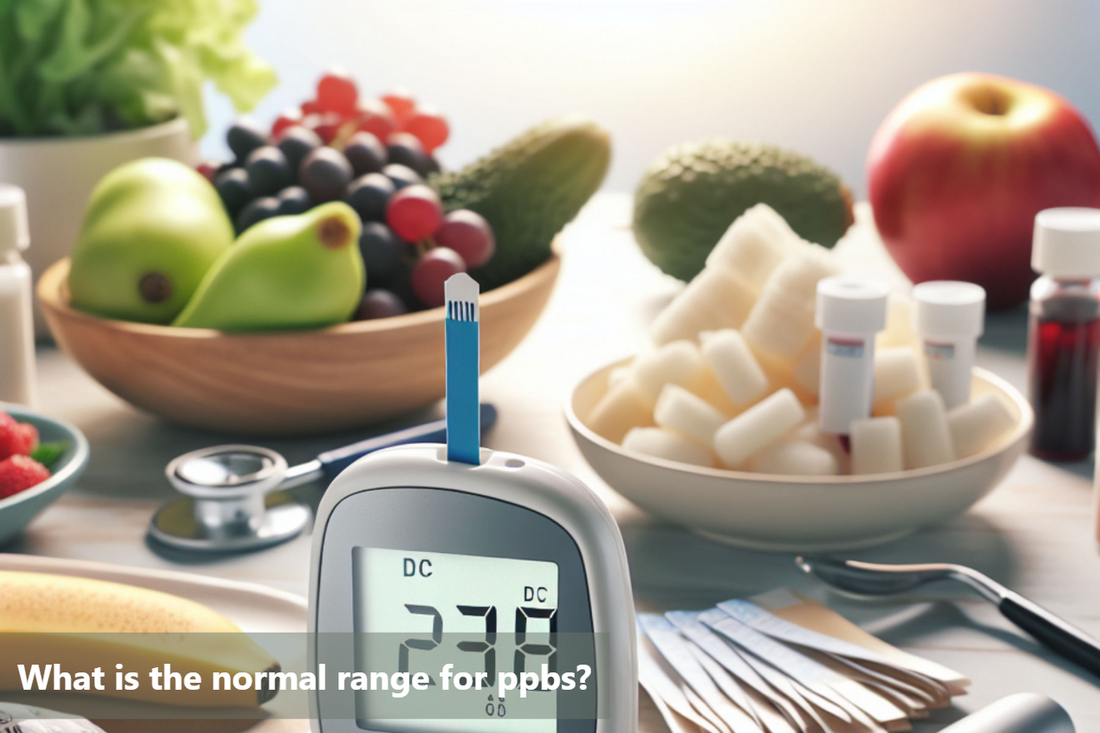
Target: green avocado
[151, 230]
[693, 192]
[528, 190]
[285, 273]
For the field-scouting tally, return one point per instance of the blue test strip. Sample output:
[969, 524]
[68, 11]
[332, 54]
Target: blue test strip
[463, 370]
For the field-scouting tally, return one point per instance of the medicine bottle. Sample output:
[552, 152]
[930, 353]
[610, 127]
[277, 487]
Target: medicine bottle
[1064, 332]
[17, 369]
[949, 318]
[849, 313]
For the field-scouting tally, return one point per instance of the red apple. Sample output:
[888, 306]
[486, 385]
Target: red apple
[957, 172]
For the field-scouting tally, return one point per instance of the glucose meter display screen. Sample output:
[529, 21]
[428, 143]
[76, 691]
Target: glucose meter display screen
[418, 612]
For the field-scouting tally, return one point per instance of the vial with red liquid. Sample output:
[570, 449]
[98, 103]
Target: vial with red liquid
[1064, 333]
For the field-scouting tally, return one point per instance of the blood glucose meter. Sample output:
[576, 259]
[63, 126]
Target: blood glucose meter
[449, 559]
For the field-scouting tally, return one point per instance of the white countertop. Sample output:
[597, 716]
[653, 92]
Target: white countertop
[1035, 533]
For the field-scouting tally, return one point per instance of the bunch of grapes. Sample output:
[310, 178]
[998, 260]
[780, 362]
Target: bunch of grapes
[441, 245]
[374, 154]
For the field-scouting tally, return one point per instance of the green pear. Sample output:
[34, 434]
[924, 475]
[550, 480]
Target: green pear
[152, 228]
[287, 272]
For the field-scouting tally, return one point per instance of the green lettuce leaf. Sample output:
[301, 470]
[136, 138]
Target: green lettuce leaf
[78, 67]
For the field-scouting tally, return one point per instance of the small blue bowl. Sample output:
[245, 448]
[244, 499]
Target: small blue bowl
[18, 510]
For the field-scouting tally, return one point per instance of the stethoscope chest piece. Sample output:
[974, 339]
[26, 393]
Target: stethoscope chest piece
[231, 504]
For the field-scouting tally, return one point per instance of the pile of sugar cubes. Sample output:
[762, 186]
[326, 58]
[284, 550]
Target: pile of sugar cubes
[731, 377]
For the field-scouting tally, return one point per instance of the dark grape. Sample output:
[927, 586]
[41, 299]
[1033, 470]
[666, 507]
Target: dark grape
[296, 143]
[294, 200]
[233, 186]
[467, 233]
[365, 153]
[401, 175]
[256, 211]
[379, 303]
[369, 194]
[405, 149]
[244, 136]
[432, 271]
[268, 170]
[382, 252]
[325, 173]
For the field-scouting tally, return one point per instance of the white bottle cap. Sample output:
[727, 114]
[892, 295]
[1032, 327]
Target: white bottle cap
[850, 305]
[14, 230]
[948, 310]
[1067, 242]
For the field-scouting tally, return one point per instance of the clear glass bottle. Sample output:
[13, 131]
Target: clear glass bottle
[17, 367]
[1064, 333]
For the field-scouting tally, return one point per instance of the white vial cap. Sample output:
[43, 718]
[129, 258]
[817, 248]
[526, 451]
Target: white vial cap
[850, 305]
[14, 230]
[949, 310]
[1067, 242]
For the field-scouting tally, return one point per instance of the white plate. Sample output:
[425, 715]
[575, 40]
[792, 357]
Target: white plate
[254, 608]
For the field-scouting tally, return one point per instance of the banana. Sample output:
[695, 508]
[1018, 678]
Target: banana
[82, 624]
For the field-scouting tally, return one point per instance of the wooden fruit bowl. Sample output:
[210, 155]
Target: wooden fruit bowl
[288, 383]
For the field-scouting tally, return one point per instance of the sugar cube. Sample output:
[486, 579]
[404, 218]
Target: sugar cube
[735, 367]
[758, 427]
[806, 372]
[979, 424]
[713, 299]
[707, 386]
[754, 245]
[623, 407]
[687, 414]
[780, 324]
[795, 458]
[899, 329]
[677, 362]
[779, 374]
[925, 435]
[811, 432]
[798, 275]
[876, 445]
[661, 443]
[782, 321]
[897, 374]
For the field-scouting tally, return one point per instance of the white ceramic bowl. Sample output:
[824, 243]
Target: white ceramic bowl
[18, 510]
[798, 513]
[59, 173]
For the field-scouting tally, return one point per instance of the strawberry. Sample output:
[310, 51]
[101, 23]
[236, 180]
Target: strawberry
[19, 473]
[16, 438]
[29, 433]
[12, 437]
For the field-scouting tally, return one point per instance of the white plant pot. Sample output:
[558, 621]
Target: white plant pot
[59, 173]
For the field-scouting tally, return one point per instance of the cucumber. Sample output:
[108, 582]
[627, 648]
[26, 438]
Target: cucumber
[528, 190]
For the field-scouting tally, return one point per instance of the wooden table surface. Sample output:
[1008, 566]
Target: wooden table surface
[1034, 533]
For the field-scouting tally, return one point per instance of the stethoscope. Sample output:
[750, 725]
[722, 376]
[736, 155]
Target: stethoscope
[236, 497]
